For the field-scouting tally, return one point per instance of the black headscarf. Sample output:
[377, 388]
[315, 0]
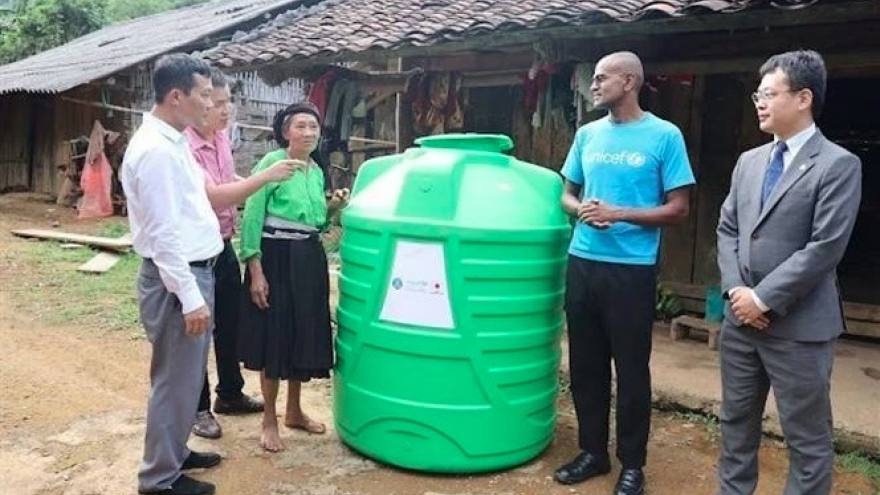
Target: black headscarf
[282, 120]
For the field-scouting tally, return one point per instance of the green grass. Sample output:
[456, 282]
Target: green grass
[45, 285]
[854, 462]
[709, 422]
[49, 288]
[114, 228]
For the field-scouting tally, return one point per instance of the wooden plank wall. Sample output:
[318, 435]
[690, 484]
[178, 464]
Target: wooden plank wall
[73, 120]
[256, 103]
[729, 127]
[44, 147]
[723, 109]
[546, 145]
[679, 101]
[14, 149]
[37, 127]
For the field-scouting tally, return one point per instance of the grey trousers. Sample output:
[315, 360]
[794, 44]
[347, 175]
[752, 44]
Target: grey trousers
[177, 372]
[800, 374]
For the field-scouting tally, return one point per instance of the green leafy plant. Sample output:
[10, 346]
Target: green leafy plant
[37, 25]
[855, 462]
[708, 421]
[668, 305]
[28, 27]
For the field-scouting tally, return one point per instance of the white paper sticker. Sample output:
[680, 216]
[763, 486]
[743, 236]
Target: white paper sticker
[418, 292]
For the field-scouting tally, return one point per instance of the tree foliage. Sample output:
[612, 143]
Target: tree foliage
[28, 27]
[122, 10]
[37, 25]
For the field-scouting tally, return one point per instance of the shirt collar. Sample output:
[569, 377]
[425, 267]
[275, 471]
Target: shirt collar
[796, 142]
[197, 140]
[164, 128]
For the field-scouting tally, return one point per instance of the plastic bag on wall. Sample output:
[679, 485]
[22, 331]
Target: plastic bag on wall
[96, 186]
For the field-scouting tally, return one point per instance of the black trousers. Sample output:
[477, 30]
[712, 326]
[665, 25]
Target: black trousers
[227, 305]
[610, 313]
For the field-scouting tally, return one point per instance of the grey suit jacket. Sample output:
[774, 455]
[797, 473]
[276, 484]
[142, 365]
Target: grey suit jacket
[789, 251]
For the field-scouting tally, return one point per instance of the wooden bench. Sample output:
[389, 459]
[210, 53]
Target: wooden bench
[682, 325]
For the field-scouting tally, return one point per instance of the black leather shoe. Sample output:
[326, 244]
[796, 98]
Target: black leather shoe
[244, 404]
[582, 468]
[184, 486]
[201, 460]
[630, 482]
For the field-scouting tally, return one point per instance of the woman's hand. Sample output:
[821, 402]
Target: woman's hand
[338, 199]
[259, 286]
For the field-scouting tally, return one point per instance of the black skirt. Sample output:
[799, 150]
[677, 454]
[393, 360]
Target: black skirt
[291, 340]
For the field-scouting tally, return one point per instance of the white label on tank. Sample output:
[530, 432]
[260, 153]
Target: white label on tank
[418, 292]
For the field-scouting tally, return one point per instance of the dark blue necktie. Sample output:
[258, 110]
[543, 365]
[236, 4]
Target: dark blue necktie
[774, 171]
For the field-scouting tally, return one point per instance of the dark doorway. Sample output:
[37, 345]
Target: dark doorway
[490, 110]
[850, 120]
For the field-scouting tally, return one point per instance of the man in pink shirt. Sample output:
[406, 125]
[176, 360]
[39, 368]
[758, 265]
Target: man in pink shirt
[211, 147]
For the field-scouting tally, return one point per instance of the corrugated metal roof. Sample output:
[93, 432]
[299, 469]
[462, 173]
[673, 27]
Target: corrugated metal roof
[109, 50]
[339, 28]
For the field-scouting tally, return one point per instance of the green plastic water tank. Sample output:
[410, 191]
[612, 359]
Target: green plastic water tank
[450, 309]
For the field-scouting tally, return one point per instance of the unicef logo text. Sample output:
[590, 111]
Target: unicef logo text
[630, 158]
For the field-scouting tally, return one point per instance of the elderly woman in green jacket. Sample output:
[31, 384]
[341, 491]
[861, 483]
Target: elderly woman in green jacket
[286, 322]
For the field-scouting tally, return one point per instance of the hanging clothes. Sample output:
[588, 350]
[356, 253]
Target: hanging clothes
[417, 97]
[350, 98]
[437, 102]
[581, 80]
[321, 89]
[533, 88]
[537, 93]
[96, 180]
[454, 110]
[344, 97]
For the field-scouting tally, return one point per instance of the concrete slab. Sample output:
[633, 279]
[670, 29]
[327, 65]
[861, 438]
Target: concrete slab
[686, 373]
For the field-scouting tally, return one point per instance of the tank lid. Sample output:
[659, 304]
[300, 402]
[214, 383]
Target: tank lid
[477, 142]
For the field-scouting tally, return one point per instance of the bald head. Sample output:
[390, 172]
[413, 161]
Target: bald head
[624, 63]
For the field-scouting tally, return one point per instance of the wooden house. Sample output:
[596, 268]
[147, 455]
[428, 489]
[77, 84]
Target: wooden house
[49, 102]
[702, 58]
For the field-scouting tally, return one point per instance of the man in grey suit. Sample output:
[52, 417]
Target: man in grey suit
[783, 229]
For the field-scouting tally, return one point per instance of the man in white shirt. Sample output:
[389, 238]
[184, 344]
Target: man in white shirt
[177, 234]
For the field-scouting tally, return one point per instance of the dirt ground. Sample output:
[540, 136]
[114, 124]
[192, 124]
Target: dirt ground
[72, 419]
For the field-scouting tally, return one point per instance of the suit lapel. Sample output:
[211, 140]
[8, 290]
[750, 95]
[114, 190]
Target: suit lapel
[802, 163]
[763, 159]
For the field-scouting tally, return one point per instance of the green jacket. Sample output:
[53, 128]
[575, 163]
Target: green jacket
[300, 199]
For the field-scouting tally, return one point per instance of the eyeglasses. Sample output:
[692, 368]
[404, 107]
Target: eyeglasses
[764, 95]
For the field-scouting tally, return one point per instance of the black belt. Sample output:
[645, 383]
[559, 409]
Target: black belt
[207, 263]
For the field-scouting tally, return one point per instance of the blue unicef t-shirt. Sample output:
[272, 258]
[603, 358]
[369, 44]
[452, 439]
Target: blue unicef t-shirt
[629, 165]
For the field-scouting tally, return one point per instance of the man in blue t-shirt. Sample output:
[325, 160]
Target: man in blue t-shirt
[626, 176]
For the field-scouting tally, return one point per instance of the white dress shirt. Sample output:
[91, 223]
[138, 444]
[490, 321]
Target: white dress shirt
[794, 145]
[171, 219]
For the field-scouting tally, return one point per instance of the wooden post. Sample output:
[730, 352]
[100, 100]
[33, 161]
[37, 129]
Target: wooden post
[695, 133]
[403, 114]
